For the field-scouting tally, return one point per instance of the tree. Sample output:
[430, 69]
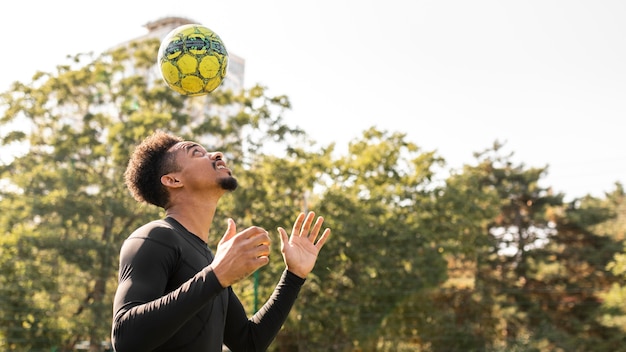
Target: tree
[486, 261]
[613, 300]
[464, 313]
[65, 207]
[382, 256]
[542, 270]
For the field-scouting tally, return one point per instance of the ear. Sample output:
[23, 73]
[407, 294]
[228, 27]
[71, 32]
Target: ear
[170, 180]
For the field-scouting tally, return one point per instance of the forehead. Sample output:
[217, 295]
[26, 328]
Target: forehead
[185, 146]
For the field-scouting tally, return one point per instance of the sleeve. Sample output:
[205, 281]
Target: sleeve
[144, 316]
[258, 332]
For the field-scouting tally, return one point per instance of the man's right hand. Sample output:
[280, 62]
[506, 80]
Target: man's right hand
[240, 254]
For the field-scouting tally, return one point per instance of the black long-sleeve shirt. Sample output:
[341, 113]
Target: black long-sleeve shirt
[169, 299]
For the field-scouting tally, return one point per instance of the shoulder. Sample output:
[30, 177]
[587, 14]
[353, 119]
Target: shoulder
[156, 235]
[155, 230]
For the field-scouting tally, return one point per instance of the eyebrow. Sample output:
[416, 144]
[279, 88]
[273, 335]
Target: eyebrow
[190, 146]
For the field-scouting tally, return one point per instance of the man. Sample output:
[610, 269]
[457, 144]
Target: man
[173, 293]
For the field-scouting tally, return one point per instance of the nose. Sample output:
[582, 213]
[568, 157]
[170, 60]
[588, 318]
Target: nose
[217, 156]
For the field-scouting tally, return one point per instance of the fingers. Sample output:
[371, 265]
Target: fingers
[297, 225]
[253, 231]
[257, 242]
[284, 237]
[239, 255]
[231, 230]
[253, 240]
[323, 238]
[316, 229]
[302, 227]
[303, 224]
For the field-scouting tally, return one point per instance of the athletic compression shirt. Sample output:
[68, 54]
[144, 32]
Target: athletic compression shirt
[168, 299]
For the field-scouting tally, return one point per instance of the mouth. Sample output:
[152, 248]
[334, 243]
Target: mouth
[221, 165]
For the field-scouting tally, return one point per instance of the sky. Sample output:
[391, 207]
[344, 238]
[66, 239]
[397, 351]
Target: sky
[547, 78]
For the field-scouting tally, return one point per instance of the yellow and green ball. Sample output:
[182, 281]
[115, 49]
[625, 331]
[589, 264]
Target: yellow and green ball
[193, 60]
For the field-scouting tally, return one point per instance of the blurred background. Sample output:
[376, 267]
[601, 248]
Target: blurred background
[546, 77]
[468, 156]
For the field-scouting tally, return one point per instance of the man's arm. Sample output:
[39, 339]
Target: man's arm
[257, 333]
[300, 251]
[144, 316]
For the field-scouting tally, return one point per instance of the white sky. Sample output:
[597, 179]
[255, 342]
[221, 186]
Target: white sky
[546, 77]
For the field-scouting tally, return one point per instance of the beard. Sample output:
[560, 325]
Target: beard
[229, 183]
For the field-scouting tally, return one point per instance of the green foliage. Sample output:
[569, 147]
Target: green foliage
[382, 254]
[614, 300]
[544, 266]
[485, 260]
[69, 208]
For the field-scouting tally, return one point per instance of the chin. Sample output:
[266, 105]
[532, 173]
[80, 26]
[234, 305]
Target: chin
[229, 184]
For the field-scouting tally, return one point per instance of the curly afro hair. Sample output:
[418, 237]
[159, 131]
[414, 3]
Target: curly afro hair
[149, 161]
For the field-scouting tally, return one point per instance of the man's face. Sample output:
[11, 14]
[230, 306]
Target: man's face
[200, 169]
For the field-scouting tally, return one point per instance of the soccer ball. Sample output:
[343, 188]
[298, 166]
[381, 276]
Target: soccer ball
[192, 60]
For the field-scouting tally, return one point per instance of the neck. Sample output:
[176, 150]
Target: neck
[196, 217]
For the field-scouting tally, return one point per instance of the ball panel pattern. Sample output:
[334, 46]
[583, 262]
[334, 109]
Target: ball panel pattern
[193, 60]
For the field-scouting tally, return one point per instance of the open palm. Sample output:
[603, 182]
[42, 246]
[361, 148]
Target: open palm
[300, 250]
